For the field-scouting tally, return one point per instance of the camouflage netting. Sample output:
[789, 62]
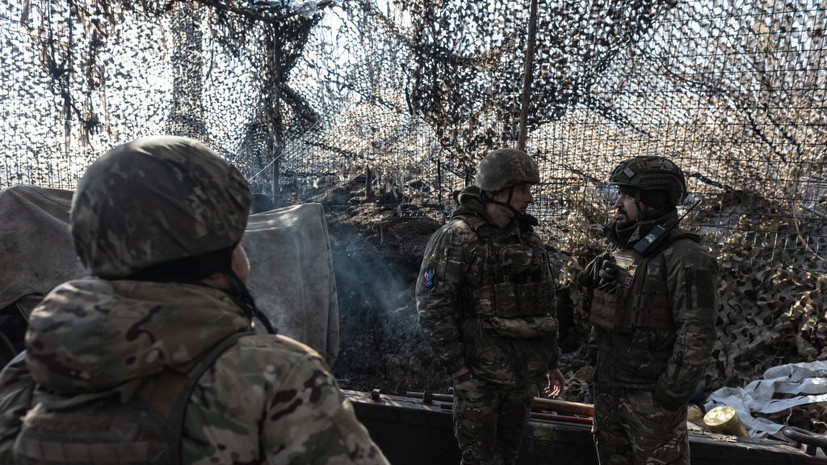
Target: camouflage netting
[382, 109]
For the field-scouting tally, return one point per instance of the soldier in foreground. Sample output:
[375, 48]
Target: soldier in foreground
[653, 317]
[486, 302]
[157, 223]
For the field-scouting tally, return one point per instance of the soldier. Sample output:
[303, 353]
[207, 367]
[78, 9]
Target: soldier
[485, 299]
[653, 319]
[157, 223]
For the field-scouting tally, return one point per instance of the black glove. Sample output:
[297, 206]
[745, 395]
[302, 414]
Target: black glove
[599, 271]
[586, 277]
[607, 275]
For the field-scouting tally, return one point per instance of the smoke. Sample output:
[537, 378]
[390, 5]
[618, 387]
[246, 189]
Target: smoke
[373, 286]
[381, 345]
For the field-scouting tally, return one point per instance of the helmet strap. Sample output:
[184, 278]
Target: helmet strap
[242, 297]
[640, 214]
[506, 204]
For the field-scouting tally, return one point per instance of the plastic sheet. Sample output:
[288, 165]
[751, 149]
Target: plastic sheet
[782, 387]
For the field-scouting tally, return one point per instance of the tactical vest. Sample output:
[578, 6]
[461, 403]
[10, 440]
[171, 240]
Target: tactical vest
[626, 303]
[139, 422]
[516, 295]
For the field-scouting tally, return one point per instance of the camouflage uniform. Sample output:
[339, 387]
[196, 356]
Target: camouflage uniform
[266, 399]
[654, 328]
[485, 299]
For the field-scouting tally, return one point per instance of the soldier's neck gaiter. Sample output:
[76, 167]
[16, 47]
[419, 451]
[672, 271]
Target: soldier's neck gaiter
[626, 234]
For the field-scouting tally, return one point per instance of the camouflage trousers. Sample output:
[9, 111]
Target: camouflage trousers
[630, 428]
[489, 420]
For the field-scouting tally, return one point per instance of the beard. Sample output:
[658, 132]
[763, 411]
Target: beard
[622, 218]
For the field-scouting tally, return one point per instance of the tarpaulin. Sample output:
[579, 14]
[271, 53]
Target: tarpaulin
[291, 275]
[291, 270]
[783, 387]
[36, 250]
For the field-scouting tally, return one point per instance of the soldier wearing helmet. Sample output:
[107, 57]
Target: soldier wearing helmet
[653, 318]
[486, 303]
[157, 223]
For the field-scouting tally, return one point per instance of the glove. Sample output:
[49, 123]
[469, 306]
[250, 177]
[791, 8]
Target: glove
[599, 271]
[607, 275]
[586, 277]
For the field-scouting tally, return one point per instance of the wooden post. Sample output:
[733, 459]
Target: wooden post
[527, 78]
[277, 118]
[368, 183]
[276, 191]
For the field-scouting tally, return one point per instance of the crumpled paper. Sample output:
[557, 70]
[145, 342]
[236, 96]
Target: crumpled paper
[798, 383]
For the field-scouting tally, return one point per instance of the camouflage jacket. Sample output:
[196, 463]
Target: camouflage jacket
[670, 326]
[478, 306]
[267, 398]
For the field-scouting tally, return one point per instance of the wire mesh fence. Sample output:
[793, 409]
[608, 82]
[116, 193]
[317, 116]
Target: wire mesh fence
[402, 98]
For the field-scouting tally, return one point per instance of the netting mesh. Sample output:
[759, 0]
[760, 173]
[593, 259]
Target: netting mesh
[405, 96]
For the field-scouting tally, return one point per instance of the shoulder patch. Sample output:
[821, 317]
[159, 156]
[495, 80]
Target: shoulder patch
[428, 278]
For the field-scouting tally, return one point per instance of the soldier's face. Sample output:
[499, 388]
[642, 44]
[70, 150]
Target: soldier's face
[626, 208]
[521, 197]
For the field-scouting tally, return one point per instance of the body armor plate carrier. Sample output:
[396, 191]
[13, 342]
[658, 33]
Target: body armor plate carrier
[516, 300]
[623, 304]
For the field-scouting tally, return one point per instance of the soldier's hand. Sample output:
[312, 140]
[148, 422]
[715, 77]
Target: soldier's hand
[556, 381]
[607, 275]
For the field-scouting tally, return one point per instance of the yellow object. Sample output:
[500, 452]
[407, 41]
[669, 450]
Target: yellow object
[693, 413]
[724, 420]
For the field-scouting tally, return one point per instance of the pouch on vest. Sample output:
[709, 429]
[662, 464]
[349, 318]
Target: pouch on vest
[523, 328]
[610, 303]
[632, 303]
[518, 288]
[139, 422]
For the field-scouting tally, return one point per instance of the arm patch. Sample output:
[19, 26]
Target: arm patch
[705, 288]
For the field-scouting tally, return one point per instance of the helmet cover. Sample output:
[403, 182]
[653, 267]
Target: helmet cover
[504, 168]
[154, 200]
[650, 173]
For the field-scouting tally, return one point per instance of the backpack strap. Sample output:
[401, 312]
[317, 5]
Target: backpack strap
[179, 409]
[169, 392]
[158, 401]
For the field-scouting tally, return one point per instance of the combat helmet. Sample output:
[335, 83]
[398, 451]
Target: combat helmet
[504, 168]
[651, 173]
[156, 200]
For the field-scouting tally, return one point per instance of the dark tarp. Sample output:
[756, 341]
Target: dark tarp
[291, 267]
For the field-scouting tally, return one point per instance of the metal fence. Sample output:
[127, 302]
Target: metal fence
[733, 91]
